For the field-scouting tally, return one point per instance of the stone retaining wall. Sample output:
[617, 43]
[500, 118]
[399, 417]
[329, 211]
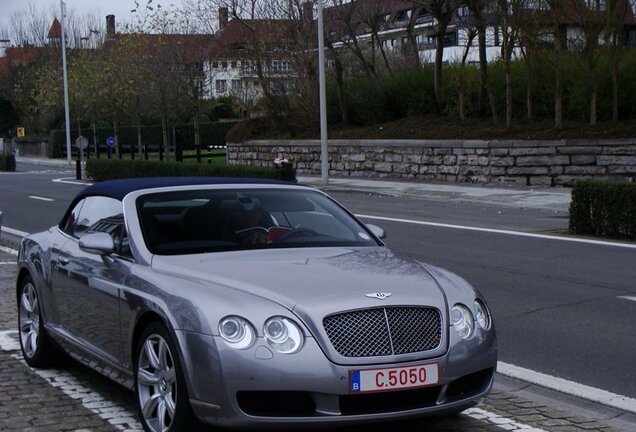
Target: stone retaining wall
[547, 163]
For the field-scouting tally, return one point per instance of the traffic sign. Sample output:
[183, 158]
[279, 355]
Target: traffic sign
[20, 132]
[111, 141]
[81, 142]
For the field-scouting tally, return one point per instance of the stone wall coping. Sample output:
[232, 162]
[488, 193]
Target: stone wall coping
[442, 143]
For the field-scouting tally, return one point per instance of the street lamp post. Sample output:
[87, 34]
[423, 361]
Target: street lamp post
[66, 113]
[324, 152]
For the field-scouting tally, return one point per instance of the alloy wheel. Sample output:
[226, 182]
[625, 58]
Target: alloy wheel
[157, 384]
[29, 320]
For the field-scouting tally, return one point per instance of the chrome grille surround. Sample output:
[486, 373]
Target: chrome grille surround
[384, 331]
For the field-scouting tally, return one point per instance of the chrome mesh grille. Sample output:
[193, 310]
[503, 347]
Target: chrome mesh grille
[384, 331]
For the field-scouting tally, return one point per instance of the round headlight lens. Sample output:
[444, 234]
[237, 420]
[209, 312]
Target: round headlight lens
[237, 332]
[283, 335]
[481, 315]
[462, 321]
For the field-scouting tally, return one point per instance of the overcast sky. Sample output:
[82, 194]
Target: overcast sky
[120, 8]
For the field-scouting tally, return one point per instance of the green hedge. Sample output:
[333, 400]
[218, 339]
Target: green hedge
[7, 162]
[603, 209]
[108, 169]
[151, 135]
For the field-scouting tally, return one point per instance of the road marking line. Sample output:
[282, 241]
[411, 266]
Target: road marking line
[568, 387]
[35, 197]
[9, 250]
[500, 421]
[15, 232]
[7, 263]
[70, 180]
[498, 231]
[630, 298]
[115, 414]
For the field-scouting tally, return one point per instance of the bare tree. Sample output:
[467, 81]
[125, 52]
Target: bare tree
[480, 16]
[374, 15]
[443, 11]
[617, 13]
[342, 25]
[554, 20]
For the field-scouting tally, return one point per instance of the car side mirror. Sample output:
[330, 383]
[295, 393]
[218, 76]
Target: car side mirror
[97, 243]
[377, 231]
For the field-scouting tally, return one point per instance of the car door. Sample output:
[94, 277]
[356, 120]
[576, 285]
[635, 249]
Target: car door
[89, 286]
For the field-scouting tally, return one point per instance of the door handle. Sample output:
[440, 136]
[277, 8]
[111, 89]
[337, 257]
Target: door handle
[64, 260]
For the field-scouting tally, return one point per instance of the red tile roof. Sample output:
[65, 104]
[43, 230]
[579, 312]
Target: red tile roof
[55, 32]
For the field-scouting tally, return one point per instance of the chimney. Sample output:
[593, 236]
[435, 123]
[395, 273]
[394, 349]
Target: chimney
[110, 27]
[223, 17]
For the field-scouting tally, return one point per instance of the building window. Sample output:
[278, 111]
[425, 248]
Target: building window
[236, 85]
[233, 65]
[215, 64]
[221, 86]
[450, 39]
[224, 65]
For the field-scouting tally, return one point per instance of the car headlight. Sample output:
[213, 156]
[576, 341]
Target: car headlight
[462, 321]
[283, 335]
[237, 332]
[481, 315]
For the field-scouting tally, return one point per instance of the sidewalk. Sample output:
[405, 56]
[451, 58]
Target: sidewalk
[556, 199]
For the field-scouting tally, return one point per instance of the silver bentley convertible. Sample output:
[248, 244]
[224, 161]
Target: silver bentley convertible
[245, 303]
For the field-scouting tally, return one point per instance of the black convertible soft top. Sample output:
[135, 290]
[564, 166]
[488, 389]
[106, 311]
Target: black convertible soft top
[118, 189]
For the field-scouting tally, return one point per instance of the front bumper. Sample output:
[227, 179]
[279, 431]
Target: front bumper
[258, 387]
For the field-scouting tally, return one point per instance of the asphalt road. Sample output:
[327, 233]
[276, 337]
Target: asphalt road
[556, 304]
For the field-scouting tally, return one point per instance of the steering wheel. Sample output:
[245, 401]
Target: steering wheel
[298, 232]
[252, 235]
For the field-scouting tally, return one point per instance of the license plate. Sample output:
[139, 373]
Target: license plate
[377, 380]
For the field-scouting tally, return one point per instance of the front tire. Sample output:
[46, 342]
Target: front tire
[37, 348]
[162, 396]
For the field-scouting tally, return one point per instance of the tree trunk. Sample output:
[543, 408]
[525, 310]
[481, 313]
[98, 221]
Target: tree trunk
[96, 144]
[483, 71]
[558, 91]
[493, 104]
[437, 77]
[342, 91]
[614, 90]
[593, 98]
[530, 100]
[164, 135]
[508, 95]
[140, 149]
[197, 132]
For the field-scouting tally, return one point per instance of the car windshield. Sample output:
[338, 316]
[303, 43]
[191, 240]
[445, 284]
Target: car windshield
[199, 221]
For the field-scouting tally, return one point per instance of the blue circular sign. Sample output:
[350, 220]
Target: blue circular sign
[111, 141]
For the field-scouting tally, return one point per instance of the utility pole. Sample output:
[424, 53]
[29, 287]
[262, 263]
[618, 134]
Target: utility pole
[324, 152]
[66, 112]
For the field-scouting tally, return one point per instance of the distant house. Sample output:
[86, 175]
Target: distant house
[15, 56]
[389, 23]
[249, 53]
[188, 51]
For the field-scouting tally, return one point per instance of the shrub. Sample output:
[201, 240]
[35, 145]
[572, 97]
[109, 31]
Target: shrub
[107, 169]
[7, 162]
[604, 209]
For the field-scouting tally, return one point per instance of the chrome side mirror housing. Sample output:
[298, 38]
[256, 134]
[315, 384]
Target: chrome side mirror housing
[377, 231]
[97, 243]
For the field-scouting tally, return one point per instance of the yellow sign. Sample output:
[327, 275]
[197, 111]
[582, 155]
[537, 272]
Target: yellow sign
[20, 132]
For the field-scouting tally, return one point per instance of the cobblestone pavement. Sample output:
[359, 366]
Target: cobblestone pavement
[74, 398]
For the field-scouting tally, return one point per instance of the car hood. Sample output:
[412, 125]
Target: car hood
[313, 280]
